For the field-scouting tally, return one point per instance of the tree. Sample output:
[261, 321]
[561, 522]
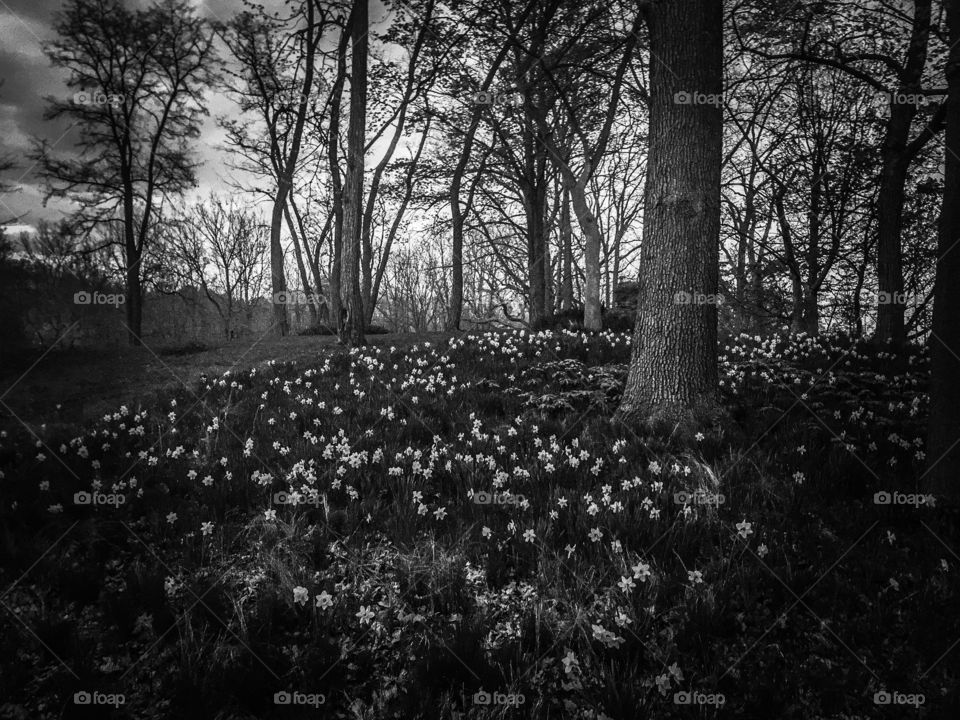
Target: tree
[220, 248]
[943, 434]
[277, 85]
[673, 368]
[889, 58]
[353, 182]
[140, 77]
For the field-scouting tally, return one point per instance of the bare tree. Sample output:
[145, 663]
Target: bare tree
[139, 77]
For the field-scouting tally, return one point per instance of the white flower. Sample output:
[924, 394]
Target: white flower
[641, 571]
[364, 615]
[300, 595]
[626, 583]
[171, 518]
[695, 577]
[529, 536]
[762, 550]
[270, 515]
[324, 600]
[486, 532]
[206, 528]
[744, 529]
[596, 534]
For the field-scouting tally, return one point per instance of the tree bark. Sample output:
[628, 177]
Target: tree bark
[353, 331]
[943, 434]
[673, 372]
[895, 162]
[335, 302]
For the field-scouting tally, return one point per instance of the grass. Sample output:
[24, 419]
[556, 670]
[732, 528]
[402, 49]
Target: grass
[459, 526]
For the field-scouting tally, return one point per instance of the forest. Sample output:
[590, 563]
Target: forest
[480, 359]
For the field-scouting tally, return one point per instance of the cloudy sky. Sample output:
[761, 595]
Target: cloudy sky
[27, 77]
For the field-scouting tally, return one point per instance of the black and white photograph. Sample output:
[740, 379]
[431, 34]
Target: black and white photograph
[479, 359]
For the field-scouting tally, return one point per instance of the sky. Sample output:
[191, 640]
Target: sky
[27, 77]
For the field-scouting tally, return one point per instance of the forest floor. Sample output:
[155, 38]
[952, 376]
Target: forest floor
[460, 528]
[80, 385]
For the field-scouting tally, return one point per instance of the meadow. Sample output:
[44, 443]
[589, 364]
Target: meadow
[462, 528]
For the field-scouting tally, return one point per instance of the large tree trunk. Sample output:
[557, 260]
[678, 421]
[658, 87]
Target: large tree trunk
[335, 302]
[536, 275]
[895, 162]
[673, 370]
[353, 185]
[943, 435]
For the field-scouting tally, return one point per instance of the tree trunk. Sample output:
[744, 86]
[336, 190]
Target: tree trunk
[943, 435]
[591, 255]
[566, 250]
[673, 372]
[133, 256]
[302, 269]
[895, 162]
[353, 184]
[278, 280]
[535, 198]
[134, 300]
[335, 302]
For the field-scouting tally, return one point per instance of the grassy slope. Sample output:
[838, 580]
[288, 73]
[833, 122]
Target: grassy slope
[599, 586]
